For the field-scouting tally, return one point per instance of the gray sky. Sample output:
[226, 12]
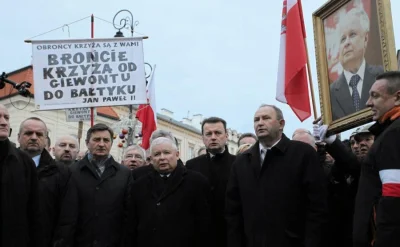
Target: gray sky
[214, 57]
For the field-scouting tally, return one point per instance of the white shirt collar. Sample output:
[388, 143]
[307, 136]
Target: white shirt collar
[212, 155]
[267, 148]
[36, 159]
[360, 72]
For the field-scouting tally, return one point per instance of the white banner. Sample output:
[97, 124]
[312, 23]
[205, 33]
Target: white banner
[88, 73]
[78, 114]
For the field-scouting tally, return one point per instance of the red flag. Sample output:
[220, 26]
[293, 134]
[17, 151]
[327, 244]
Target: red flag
[146, 114]
[292, 84]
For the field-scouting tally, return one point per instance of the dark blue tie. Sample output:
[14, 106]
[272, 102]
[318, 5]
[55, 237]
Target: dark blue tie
[355, 95]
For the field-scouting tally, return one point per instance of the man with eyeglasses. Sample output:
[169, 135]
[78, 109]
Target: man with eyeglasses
[134, 157]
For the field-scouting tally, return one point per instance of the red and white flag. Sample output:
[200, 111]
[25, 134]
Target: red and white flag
[292, 84]
[147, 114]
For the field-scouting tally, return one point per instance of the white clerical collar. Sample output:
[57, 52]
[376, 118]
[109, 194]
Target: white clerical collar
[267, 148]
[360, 72]
[36, 159]
[212, 155]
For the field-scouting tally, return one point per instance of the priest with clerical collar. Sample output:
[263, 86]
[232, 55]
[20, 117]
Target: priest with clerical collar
[171, 205]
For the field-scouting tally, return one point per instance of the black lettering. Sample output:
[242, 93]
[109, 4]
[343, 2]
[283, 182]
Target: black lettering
[52, 59]
[103, 59]
[59, 94]
[103, 79]
[122, 56]
[132, 66]
[47, 73]
[111, 90]
[107, 68]
[74, 93]
[131, 89]
[113, 77]
[66, 58]
[60, 71]
[73, 69]
[48, 95]
[54, 83]
[120, 90]
[80, 81]
[96, 69]
[125, 77]
[92, 79]
[78, 58]
[85, 69]
[122, 67]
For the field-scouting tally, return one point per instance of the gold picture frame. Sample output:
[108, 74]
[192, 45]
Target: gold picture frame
[379, 40]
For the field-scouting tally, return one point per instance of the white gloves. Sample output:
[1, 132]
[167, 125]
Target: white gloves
[320, 134]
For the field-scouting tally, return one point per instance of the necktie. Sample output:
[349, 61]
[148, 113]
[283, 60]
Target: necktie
[355, 95]
[263, 154]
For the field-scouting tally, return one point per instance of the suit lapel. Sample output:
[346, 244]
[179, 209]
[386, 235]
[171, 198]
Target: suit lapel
[255, 159]
[344, 96]
[369, 79]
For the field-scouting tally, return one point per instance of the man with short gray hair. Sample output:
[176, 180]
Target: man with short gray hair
[143, 170]
[134, 157]
[349, 93]
[171, 202]
[305, 136]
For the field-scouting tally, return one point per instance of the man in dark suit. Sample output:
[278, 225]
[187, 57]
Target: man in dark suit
[170, 203]
[276, 195]
[350, 92]
[216, 166]
[53, 177]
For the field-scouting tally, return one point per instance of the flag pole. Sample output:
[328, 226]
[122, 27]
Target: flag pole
[92, 36]
[310, 82]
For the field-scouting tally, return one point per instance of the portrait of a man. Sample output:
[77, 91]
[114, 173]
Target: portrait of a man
[351, 70]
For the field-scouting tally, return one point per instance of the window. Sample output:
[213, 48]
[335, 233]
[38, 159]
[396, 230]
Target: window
[191, 152]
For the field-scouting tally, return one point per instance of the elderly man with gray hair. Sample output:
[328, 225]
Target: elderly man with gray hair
[143, 170]
[179, 214]
[350, 92]
[134, 157]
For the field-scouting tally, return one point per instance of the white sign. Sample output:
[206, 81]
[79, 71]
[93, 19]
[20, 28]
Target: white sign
[88, 73]
[78, 114]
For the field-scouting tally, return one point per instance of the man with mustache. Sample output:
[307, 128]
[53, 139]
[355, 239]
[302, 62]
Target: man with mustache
[66, 150]
[98, 200]
[349, 93]
[134, 157]
[53, 178]
[19, 207]
[215, 166]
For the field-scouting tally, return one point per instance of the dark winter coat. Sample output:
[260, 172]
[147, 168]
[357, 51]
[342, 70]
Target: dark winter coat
[174, 212]
[53, 179]
[342, 190]
[282, 203]
[217, 171]
[20, 210]
[95, 209]
[383, 164]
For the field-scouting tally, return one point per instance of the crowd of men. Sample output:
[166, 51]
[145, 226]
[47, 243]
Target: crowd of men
[276, 192]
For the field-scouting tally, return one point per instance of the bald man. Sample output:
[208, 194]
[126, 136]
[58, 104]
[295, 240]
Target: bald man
[66, 149]
[305, 136]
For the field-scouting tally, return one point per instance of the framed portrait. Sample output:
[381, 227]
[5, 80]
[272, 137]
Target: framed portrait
[398, 59]
[354, 42]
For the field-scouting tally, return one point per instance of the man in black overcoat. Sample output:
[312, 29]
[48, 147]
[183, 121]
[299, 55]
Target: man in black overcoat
[170, 203]
[276, 195]
[215, 166]
[19, 205]
[96, 207]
